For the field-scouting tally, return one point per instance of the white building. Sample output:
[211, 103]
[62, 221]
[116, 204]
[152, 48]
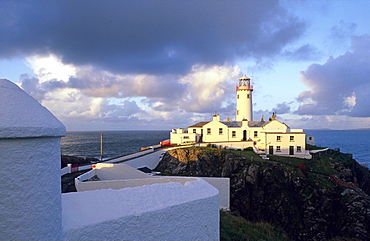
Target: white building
[266, 137]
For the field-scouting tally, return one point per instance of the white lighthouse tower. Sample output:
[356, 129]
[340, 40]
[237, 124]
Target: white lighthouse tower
[244, 99]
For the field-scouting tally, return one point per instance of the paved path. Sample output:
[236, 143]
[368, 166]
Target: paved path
[149, 160]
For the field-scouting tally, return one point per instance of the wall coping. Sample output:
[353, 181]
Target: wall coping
[22, 116]
[96, 206]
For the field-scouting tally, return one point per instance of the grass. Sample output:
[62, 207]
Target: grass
[312, 147]
[248, 154]
[238, 228]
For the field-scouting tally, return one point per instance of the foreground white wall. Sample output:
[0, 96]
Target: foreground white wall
[30, 200]
[223, 187]
[167, 211]
[118, 176]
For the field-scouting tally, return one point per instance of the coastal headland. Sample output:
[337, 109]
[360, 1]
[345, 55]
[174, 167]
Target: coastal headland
[322, 198]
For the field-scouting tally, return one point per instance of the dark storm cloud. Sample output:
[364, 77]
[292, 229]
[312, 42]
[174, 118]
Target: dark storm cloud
[146, 36]
[341, 85]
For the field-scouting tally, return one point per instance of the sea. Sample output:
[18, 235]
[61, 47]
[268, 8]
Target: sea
[356, 142]
[118, 143]
[115, 143]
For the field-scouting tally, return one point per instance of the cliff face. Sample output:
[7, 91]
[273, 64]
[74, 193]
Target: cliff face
[294, 194]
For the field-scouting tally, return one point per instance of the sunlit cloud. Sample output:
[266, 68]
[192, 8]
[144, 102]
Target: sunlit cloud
[50, 67]
[338, 86]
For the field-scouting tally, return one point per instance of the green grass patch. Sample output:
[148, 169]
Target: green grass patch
[238, 228]
[312, 147]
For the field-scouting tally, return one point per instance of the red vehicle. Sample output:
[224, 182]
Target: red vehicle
[165, 143]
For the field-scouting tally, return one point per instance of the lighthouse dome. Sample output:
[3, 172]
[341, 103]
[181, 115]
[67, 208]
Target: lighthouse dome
[244, 78]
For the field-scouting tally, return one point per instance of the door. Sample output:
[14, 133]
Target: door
[244, 135]
[271, 150]
[291, 150]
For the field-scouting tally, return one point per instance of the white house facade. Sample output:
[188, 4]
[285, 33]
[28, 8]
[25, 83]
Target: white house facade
[270, 137]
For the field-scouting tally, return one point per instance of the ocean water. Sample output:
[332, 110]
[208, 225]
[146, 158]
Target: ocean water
[356, 142]
[117, 143]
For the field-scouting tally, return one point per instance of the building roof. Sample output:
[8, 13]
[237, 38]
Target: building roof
[227, 123]
[199, 124]
[257, 123]
[232, 123]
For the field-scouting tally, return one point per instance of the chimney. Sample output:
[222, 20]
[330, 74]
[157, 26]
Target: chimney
[273, 117]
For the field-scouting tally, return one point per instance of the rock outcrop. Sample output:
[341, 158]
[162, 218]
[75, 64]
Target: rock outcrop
[295, 195]
[76, 160]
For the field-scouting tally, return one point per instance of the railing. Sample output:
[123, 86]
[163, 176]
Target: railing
[73, 168]
[66, 170]
[249, 87]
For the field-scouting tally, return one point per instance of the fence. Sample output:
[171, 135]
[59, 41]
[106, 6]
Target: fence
[73, 168]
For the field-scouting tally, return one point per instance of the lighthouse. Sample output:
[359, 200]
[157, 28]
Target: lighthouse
[244, 99]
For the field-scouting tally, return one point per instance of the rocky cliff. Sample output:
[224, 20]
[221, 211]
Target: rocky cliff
[293, 194]
[76, 160]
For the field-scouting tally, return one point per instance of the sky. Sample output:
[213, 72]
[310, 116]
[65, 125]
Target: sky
[158, 65]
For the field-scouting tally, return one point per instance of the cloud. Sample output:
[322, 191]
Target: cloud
[305, 52]
[146, 37]
[31, 86]
[69, 103]
[206, 87]
[343, 30]
[94, 95]
[339, 86]
[281, 108]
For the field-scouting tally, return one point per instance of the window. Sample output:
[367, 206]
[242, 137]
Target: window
[278, 149]
[248, 96]
[299, 149]
[233, 134]
[237, 112]
[310, 138]
[220, 131]
[291, 138]
[194, 130]
[208, 131]
[237, 96]
[278, 138]
[186, 137]
[255, 134]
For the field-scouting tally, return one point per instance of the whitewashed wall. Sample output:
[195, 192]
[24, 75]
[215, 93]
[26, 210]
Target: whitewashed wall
[168, 211]
[118, 176]
[30, 199]
[30, 202]
[223, 187]
[125, 183]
